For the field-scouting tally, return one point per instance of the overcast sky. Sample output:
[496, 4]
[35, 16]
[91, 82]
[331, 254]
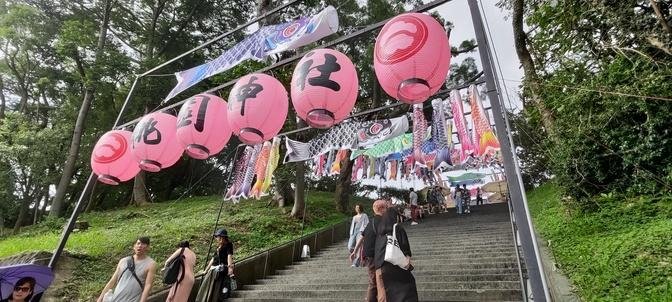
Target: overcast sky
[501, 30]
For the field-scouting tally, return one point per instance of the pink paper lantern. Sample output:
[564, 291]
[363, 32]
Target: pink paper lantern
[324, 87]
[412, 57]
[155, 144]
[202, 126]
[258, 105]
[111, 158]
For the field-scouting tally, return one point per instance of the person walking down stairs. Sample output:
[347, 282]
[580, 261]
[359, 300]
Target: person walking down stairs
[359, 222]
[413, 201]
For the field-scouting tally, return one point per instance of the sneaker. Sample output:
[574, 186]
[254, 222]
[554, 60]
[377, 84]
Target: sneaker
[414, 223]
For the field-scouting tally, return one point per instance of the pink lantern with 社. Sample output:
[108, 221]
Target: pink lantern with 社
[111, 158]
[324, 87]
[258, 105]
[411, 57]
[155, 144]
[202, 126]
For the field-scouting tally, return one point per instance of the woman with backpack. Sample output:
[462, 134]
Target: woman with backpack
[183, 260]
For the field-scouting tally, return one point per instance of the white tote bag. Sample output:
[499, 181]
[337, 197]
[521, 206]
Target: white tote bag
[393, 253]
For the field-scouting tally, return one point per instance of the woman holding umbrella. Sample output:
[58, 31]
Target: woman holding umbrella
[24, 282]
[23, 290]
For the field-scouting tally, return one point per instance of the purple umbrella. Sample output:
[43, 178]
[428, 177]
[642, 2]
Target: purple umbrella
[9, 275]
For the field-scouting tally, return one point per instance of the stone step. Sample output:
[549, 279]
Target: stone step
[440, 242]
[449, 271]
[363, 285]
[329, 300]
[419, 266]
[426, 295]
[456, 258]
[428, 259]
[363, 278]
[439, 246]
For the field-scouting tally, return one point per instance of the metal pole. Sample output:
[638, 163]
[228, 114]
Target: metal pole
[88, 187]
[518, 199]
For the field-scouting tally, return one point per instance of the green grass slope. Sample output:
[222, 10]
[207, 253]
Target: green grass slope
[252, 226]
[623, 252]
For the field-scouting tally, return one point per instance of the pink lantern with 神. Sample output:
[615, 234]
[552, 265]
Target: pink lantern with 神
[155, 144]
[324, 87]
[112, 159]
[202, 126]
[258, 105]
[411, 57]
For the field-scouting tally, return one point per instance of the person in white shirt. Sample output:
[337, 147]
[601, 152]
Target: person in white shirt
[413, 198]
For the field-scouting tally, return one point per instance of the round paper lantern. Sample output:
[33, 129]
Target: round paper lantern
[202, 126]
[411, 57]
[324, 87]
[155, 144]
[258, 105]
[112, 159]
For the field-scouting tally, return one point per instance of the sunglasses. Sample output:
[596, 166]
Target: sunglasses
[21, 289]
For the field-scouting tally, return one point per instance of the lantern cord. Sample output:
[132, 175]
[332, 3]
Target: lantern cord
[476, 80]
[221, 205]
[213, 168]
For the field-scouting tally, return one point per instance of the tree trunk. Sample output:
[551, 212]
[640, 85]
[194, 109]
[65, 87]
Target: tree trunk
[661, 18]
[343, 187]
[43, 208]
[3, 102]
[520, 39]
[73, 152]
[23, 212]
[139, 190]
[299, 191]
[37, 213]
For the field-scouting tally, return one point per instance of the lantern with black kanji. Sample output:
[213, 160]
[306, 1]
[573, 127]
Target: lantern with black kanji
[257, 109]
[202, 126]
[155, 144]
[324, 87]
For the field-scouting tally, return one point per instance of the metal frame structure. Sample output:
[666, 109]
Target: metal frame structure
[512, 170]
[535, 269]
[88, 187]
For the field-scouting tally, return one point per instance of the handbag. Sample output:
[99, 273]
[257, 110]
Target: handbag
[393, 253]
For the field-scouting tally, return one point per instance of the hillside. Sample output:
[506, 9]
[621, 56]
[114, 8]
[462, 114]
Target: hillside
[622, 252]
[251, 225]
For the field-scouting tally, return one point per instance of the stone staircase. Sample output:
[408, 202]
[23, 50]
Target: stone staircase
[456, 258]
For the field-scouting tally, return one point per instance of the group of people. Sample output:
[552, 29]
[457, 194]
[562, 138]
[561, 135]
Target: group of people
[462, 198]
[133, 277]
[387, 281]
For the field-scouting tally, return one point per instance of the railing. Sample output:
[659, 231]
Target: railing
[263, 264]
[516, 245]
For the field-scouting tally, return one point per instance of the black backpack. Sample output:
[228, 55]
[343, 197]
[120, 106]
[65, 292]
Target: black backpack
[172, 271]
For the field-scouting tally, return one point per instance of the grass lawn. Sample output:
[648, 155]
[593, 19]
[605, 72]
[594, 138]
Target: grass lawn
[622, 252]
[252, 226]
